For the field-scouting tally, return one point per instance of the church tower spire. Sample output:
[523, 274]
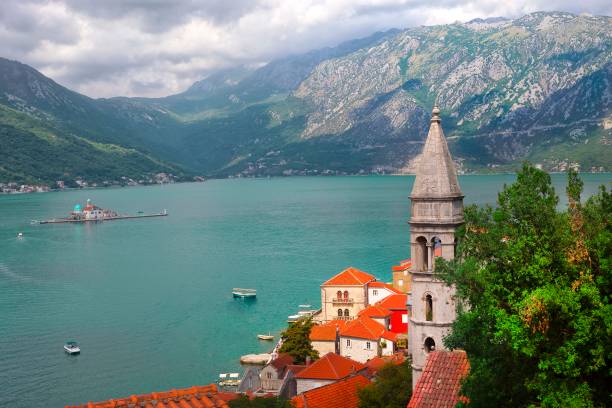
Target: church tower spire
[436, 213]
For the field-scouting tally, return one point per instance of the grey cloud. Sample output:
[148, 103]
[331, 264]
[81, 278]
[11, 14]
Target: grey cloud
[24, 26]
[140, 47]
[161, 15]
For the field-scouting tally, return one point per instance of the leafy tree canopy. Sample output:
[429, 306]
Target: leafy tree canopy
[392, 388]
[534, 287]
[296, 341]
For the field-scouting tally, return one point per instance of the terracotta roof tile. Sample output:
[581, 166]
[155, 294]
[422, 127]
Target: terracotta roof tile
[376, 363]
[383, 285]
[394, 302]
[194, 397]
[342, 394]
[365, 327]
[326, 331]
[375, 311]
[350, 277]
[440, 384]
[331, 367]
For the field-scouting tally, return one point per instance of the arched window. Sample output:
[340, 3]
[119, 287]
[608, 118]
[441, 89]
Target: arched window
[339, 312]
[428, 308]
[346, 294]
[421, 254]
[436, 244]
[339, 295]
[430, 345]
[346, 312]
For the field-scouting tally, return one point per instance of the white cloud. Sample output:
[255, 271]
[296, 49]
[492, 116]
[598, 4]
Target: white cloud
[158, 47]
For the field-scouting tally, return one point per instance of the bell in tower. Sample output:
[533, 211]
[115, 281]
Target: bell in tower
[436, 213]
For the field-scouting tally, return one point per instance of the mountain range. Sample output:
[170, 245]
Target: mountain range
[535, 88]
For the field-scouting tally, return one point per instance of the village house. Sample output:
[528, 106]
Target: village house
[378, 314]
[273, 375]
[377, 291]
[401, 275]
[324, 337]
[364, 338]
[397, 305]
[327, 370]
[342, 394]
[344, 295]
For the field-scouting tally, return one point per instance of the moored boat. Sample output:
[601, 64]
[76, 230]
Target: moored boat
[72, 347]
[244, 293]
[265, 336]
[229, 379]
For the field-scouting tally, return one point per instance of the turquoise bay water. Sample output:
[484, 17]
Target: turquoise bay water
[150, 300]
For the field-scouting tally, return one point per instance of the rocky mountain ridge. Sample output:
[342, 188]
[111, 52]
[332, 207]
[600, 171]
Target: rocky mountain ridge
[535, 88]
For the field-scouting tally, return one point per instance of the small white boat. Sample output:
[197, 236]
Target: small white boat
[305, 306]
[20, 235]
[265, 336]
[72, 347]
[244, 293]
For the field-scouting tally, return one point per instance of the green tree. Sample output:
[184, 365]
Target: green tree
[392, 388]
[296, 341]
[259, 402]
[534, 286]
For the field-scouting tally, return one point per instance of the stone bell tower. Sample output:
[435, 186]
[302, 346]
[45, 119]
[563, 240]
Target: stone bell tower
[436, 212]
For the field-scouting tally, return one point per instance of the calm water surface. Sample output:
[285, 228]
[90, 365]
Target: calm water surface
[150, 300]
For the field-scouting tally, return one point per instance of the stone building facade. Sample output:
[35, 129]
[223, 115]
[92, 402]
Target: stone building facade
[436, 213]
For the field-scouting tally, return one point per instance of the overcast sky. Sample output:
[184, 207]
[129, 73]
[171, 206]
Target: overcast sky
[108, 48]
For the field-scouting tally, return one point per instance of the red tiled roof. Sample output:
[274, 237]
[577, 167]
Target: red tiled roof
[394, 302]
[366, 328]
[295, 369]
[398, 268]
[342, 394]
[194, 397]
[375, 311]
[383, 285]
[440, 383]
[376, 363]
[326, 331]
[331, 367]
[350, 277]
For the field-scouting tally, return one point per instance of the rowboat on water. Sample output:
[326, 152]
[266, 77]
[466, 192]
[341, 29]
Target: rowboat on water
[244, 293]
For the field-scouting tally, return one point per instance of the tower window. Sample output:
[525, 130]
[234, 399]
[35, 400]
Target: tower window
[428, 308]
[421, 254]
[430, 345]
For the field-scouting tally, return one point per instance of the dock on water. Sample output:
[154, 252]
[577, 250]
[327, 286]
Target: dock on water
[117, 217]
[93, 213]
